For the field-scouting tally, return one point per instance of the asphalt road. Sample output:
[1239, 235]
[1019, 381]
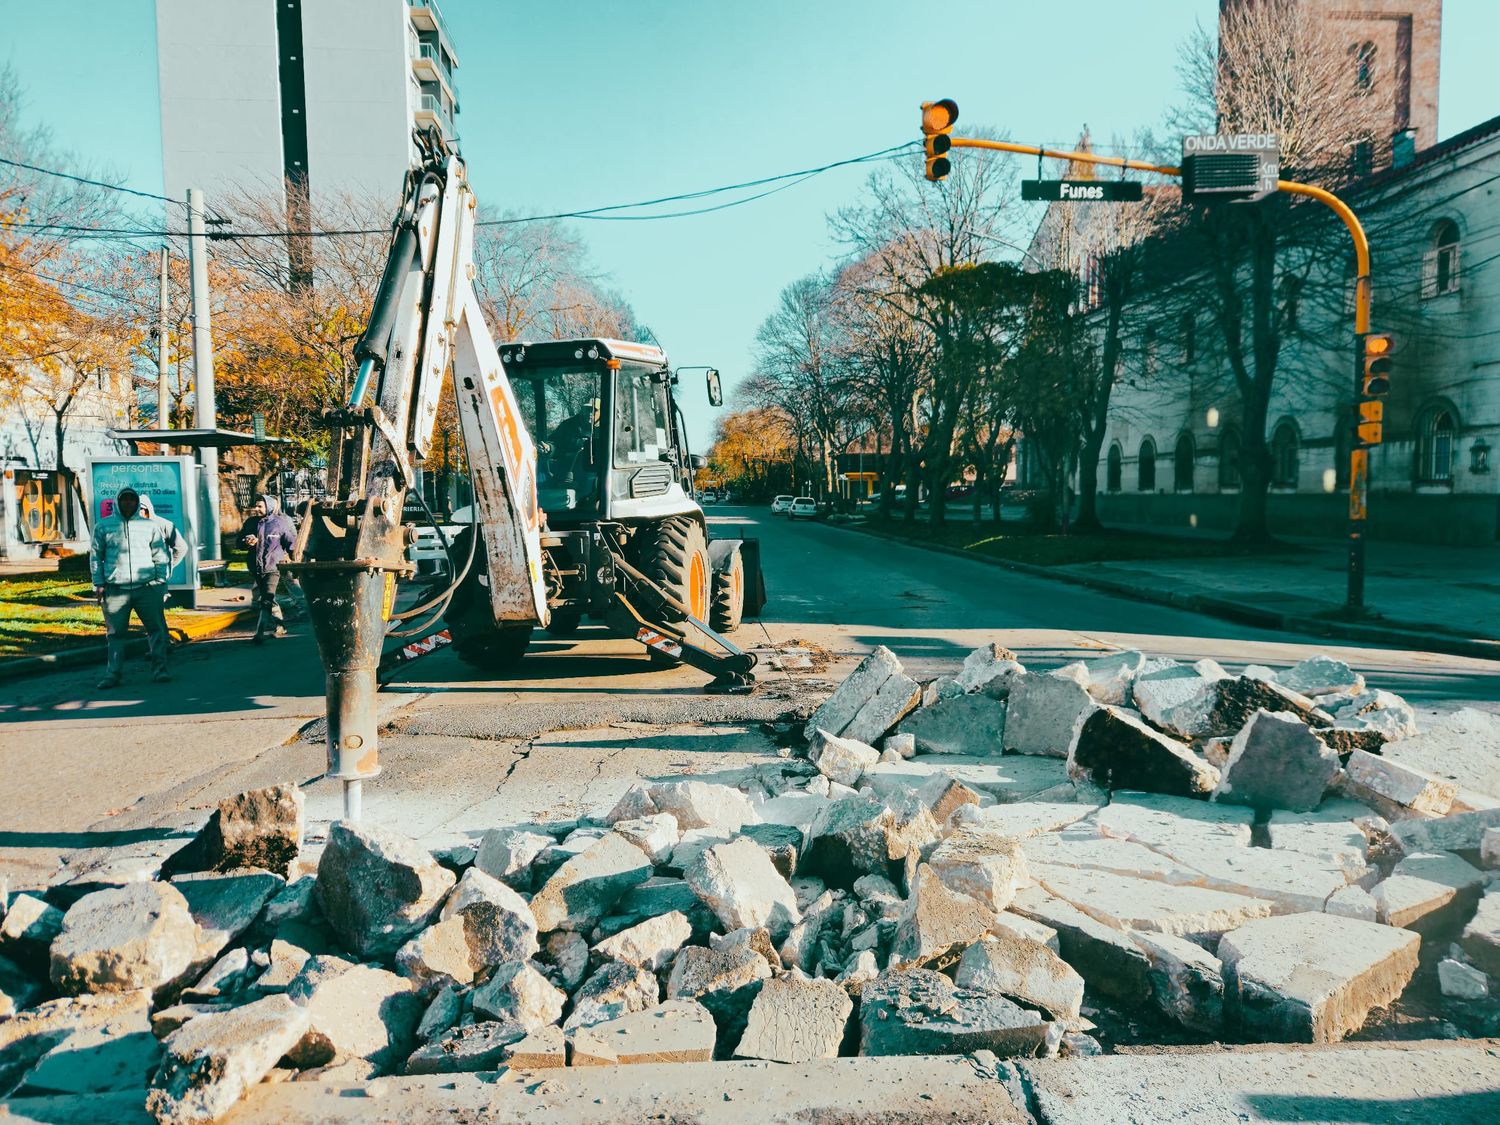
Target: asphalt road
[584, 716]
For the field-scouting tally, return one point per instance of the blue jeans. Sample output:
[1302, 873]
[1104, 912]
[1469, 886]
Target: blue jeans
[148, 603]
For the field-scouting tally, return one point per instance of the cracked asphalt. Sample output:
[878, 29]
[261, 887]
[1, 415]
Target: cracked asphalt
[584, 716]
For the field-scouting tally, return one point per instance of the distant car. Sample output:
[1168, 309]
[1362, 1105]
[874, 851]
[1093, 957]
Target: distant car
[708, 498]
[781, 505]
[803, 506]
[959, 491]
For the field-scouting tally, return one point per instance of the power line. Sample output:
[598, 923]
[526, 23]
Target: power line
[115, 293]
[89, 182]
[595, 213]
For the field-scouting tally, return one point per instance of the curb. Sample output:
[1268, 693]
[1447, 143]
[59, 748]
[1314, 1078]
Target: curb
[95, 654]
[1223, 608]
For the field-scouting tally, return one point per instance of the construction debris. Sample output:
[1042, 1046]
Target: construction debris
[1124, 840]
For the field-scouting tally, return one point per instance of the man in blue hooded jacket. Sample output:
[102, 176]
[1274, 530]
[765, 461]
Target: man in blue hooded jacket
[130, 561]
[269, 536]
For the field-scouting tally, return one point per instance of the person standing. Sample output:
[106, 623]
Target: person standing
[176, 544]
[269, 536]
[130, 562]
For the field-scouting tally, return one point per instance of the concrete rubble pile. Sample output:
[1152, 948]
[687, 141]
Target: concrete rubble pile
[984, 862]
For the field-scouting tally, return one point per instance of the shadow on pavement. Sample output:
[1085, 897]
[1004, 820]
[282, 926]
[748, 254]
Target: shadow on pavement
[1450, 1109]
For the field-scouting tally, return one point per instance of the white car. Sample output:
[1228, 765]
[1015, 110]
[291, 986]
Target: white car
[803, 506]
[781, 505]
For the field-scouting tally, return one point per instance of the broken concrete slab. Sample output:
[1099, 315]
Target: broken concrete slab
[889, 705]
[354, 1011]
[725, 979]
[989, 669]
[1187, 981]
[517, 993]
[498, 923]
[920, 1012]
[567, 956]
[1170, 824]
[1370, 775]
[1328, 833]
[545, 1049]
[1489, 849]
[226, 905]
[858, 688]
[738, 882]
[1078, 846]
[1457, 832]
[226, 976]
[794, 1020]
[1155, 693]
[377, 888]
[139, 936]
[651, 944]
[840, 759]
[508, 853]
[1481, 936]
[1221, 707]
[1147, 905]
[694, 804]
[982, 861]
[1462, 747]
[1105, 956]
[583, 889]
[1026, 971]
[476, 1047]
[1043, 713]
[1462, 982]
[214, 1060]
[1026, 818]
[437, 957]
[616, 989]
[1115, 749]
[1276, 762]
[937, 923]
[968, 724]
[1427, 891]
[678, 1031]
[259, 829]
[1108, 678]
[782, 843]
[1321, 675]
[851, 837]
[655, 835]
[27, 930]
[286, 961]
[1312, 978]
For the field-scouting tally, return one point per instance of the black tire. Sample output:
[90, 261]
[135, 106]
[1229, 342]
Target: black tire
[674, 554]
[565, 624]
[729, 596]
[477, 640]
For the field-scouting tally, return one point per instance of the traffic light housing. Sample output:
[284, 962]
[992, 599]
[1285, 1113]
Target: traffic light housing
[1375, 362]
[938, 119]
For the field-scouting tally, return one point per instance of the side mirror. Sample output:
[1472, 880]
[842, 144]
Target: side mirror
[698, 460]
[715, 388]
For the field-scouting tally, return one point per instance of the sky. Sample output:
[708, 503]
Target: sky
[583, 103]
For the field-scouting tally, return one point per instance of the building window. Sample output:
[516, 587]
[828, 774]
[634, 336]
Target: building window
[1437, 437]
[1343, 447]
[1440, 264]
[1364, 66]
[1182, 464]
[1112, 468]
[1291, 300]
[1284, 460]
[1187, 328]
[1145, 467]
[1229, 458]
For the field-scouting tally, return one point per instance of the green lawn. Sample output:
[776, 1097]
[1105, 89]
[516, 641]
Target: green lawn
[46, 612]
[1016, 543]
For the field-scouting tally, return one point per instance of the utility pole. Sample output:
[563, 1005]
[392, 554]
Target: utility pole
[163, 361]
[205, 412]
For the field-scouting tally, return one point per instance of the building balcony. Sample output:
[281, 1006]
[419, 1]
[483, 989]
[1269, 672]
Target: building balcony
[428, 65]
[425, 16]
[429, 110]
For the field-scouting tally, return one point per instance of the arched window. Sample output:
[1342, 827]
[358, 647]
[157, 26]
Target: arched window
[1145, 467]
[1364, 66]
[1437, 438]
[1229, 458]
[1187, 329]
[1182, 463]
[1112, 469]
[1284, 461]
[1440, 264]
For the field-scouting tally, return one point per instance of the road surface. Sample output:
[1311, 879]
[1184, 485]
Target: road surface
[140, 766]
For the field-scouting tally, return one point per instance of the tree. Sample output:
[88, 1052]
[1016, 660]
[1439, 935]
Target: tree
[752, 452]
[1280, 67]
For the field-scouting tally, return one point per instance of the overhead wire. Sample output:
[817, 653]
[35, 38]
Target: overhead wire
[89, 182]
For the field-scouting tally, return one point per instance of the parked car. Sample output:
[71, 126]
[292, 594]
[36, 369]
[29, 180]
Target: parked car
[708, 498]
[804, 506]
[959, 491]
[781, 505]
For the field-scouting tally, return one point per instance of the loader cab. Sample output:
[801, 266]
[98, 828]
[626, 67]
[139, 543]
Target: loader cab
[610, 440]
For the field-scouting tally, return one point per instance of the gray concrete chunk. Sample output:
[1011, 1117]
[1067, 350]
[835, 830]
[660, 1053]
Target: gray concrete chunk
[378, 888]
[1043, 713]
[796, 1020]
[136, 936]
[583, 889]
[1276, 762]
[858, 688]
[1117, 750]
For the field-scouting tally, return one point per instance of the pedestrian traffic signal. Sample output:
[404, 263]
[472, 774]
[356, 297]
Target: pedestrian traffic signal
[1375, 376]
[937, 123]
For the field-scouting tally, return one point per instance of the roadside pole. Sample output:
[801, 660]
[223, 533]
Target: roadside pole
[163, 361]
[937, 123]
[205, 412]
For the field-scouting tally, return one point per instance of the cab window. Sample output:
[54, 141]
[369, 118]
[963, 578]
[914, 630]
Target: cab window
[642, 431]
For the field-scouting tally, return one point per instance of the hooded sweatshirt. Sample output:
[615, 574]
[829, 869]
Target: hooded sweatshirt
[129, 553]
[275, 534]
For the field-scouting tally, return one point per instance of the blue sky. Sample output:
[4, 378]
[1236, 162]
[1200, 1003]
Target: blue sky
[581, 103]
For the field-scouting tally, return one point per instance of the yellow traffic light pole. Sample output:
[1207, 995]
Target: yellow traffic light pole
[938, 119]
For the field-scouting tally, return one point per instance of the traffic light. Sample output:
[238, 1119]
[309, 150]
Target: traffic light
[937, 123]
[1375, 377]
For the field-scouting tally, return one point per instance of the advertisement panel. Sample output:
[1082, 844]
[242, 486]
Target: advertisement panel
[170, 483]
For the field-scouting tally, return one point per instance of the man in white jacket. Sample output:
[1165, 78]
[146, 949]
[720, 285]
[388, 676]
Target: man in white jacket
[131, 560]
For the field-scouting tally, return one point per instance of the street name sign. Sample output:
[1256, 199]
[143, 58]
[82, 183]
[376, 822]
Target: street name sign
[1082, 191]
[1243, 166]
